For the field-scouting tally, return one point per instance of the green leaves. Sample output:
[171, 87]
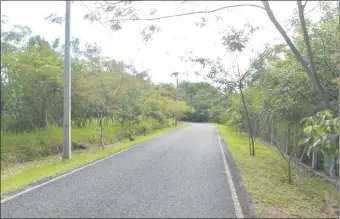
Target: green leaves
[322, 135]
[53, 18]
[236, 40]
[32, 87]
[205, 101]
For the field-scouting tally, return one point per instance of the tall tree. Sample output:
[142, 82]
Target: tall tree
[125, 11]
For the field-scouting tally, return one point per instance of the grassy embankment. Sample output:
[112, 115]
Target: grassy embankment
[18, 175]
[265, 179]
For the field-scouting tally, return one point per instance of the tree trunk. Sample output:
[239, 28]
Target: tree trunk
[310, 71]
[255, 129]
[250, 151]
[249, 125]
[46, 122]
[295, 141]
[312, 68]
[314, 160]
[289, 173]
[85, 119]
[271, 133]
[287, 140]
[101, 130]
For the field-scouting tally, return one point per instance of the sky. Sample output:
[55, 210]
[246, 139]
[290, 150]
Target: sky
[178, 36]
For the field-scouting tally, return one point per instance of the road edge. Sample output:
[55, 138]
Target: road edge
[237, 206]
[243, 198]
[48, 180]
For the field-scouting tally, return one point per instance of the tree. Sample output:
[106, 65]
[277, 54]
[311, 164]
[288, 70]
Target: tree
[234, 41]
[205, 99]
[279, 94]
[125, 11]
[309, 67]
[123, 101]
[178, 109]
[287, 157]
[103, 97]
[129, 111]
[35, 77]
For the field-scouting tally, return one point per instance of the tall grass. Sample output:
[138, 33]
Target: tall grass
[20, 175]
[34, 145]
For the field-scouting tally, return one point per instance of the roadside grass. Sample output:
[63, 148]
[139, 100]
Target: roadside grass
[265, 179]
[20, 175]
[37, 144]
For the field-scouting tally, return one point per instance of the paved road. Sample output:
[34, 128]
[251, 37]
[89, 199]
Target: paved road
[179, 174]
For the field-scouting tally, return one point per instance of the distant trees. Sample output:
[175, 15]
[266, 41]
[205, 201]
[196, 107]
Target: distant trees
[102, 88]
[205, 99]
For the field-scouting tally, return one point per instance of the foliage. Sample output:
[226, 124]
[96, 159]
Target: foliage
[129, 112]
[110, 100]
[279, 93]
[205, 99]
[322, 135]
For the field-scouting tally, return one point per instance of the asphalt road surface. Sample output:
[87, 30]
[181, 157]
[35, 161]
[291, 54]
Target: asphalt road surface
[179, 174]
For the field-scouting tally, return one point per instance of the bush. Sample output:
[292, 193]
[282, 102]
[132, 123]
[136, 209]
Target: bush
[145, 126]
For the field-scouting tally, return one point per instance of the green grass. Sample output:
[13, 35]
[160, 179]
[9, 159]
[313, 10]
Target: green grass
[265, 179]
[30, 146]
[40, 143]
[20, 175]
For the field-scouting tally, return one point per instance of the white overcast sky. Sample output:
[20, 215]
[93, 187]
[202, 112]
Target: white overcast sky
[178, 36]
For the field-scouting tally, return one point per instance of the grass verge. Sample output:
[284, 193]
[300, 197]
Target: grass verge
[265, 179]
[21, 175]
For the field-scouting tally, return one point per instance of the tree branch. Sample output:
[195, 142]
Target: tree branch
[121, 83]
[312, 9]
[312, 75]
[310, 55]
[185, 14]
[285, 36]
[293, 152]
[324, 55]
[92, 13]
[304, 5]
[276, 143]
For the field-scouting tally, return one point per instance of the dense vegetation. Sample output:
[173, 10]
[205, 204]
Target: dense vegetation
[111, 101]
[274, 100]
[279, 94]
[205, 99]
[288, 98]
